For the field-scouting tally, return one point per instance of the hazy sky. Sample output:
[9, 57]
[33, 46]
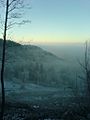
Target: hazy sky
[56, 21]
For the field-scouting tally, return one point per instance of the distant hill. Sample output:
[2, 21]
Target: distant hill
[27, 52]
[29, 63]
[32, 73]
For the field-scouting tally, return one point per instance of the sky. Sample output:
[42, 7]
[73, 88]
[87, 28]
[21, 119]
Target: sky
[55, 21]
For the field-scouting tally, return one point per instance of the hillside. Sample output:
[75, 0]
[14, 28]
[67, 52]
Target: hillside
[27, 52]
[41, 81]
[29, 63]
[31, 72]
[29, 67]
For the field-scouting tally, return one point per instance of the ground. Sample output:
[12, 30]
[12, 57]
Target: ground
[50, 111]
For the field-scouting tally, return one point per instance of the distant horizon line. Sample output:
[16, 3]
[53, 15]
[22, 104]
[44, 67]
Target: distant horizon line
[50, 43]
[44, 43]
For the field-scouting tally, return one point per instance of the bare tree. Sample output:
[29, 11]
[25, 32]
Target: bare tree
[86, 68]
[11, 14]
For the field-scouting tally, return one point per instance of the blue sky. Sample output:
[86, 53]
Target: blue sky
[54, 21]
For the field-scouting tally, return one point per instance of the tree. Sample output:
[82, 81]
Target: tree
[11, 6]
[86, 68]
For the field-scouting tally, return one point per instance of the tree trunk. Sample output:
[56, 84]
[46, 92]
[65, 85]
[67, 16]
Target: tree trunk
[3, 62]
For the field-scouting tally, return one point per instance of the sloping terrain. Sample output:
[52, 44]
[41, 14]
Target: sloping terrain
[38, 86]
[29, 63]
[32, 74]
